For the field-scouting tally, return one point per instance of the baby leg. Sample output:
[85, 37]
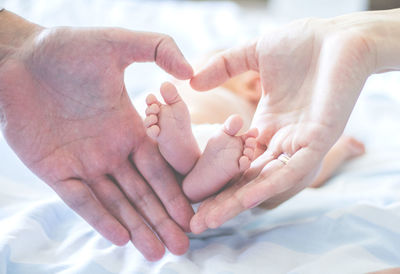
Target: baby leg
[345, 149]
[224, 157]
[169, 124]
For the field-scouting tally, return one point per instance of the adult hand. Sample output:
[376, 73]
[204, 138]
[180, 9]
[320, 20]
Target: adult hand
[65, 111]
[312, 72]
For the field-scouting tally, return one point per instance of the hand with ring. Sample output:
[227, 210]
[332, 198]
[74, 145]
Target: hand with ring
[312, 72]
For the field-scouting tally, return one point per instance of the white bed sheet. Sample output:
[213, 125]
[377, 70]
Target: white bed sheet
[351, 225]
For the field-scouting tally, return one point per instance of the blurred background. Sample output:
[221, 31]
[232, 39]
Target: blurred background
[199, 27]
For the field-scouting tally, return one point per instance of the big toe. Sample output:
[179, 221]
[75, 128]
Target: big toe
[169, 93]
[233, 124]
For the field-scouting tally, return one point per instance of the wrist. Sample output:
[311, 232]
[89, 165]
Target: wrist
[381, 32]
[386, 37]
[14, 33]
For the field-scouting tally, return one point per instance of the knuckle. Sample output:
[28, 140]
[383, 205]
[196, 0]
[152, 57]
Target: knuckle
[114, 204]
[167, 39]
[77, 198]
[144, 198]
[162, 223]
[164, 45]
[176, 201]
[138, 228]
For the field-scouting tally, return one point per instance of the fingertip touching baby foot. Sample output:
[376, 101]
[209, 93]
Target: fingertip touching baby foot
[169, 124]
[225, 156]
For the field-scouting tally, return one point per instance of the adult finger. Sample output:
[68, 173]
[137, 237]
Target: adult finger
[162, 180]
[205, 216]
[197, 223]
[135, 46]
[299, 168]
[226, 65]
[149, 206]
[276, 178]
[116, 203]
[233, 205]
[78, 197]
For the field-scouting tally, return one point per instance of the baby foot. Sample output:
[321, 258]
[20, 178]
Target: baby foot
[224, 157]
[169, 124]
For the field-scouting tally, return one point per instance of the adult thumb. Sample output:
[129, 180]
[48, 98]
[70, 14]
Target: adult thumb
[135, 46]
[226, 65]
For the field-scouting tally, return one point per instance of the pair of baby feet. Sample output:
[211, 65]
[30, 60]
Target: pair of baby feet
[225, 156]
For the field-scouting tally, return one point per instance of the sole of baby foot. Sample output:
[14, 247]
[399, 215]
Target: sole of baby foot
[169, 124]
[225, 156]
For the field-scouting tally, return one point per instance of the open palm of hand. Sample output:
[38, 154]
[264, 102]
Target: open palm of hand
[311, 73]
[69, 118]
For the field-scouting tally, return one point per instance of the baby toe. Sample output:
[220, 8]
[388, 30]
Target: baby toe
[150, 120]
[153, 131]
[152, 109]
[152, 99]
[249, 153]
[233, 124]
[251, 143]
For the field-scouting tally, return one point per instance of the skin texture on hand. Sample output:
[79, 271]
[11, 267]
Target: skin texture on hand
[312, 72]
[66, 113]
